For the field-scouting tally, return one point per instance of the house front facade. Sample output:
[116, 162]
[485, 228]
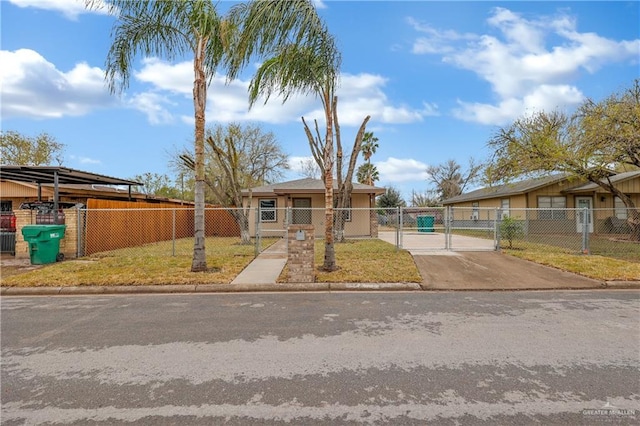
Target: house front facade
[554, 203]
[273, 207]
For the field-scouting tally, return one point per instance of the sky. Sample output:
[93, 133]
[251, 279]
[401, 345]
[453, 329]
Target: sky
[438, 79]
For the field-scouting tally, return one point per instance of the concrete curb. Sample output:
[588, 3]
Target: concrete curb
[273, 288]
[207, 288]
[623, 284]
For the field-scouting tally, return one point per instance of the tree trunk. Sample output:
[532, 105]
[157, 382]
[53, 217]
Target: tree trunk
[199, 262]
[345, 186]
[329, 250]
[633, 216]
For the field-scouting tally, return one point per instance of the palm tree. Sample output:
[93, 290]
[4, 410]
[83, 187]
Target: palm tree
[367, 173]
[172, 30]
[369, 146]
[175, 29]
[309, 68]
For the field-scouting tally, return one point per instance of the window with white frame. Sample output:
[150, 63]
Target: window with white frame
[504, 206]
[620, 208]
[546, 202]
[268, 210]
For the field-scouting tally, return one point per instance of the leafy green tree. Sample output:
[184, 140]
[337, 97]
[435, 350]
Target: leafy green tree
[18, 149]
[156, 184]
[238, 157]
[390, 199]
[584, 145]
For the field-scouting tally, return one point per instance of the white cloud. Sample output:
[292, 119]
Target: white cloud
[358, 96]
[319, 4]
[84, 160]
[71, 9]
[33, 87]
[401, 170]
[523, 70]
[153, 106]
[543, 98]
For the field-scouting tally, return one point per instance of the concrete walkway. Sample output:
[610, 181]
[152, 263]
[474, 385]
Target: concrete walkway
[267, 267]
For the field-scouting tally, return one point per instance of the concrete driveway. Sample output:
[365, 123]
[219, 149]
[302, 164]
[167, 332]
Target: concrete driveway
[474, 265]
[490, 270]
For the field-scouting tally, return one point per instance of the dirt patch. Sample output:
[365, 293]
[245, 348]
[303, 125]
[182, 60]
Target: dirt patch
[493, 271]
[9, 266]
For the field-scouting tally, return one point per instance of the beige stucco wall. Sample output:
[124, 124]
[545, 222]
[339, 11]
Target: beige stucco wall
[359, 225]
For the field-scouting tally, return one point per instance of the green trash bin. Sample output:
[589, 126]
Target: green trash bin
[425, 223]
[44, 242]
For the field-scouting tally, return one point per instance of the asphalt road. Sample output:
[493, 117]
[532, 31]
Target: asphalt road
[343, 358]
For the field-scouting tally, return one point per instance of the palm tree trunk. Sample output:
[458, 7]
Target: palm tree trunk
[199, 262]
[329, 250]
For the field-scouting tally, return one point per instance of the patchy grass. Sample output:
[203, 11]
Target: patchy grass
[365, 261]
[151, 264]
[592, 266]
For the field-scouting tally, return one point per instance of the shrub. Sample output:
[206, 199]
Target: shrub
[511, 229]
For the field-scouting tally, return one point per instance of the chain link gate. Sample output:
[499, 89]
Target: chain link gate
[431, 229]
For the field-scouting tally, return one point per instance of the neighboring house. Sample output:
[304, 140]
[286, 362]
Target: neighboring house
[305, 197]
[555, 200]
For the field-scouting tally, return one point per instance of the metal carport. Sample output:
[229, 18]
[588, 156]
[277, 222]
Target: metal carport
[59, 175]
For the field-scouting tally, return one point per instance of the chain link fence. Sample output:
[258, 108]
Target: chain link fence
[605, 232]
[170, 231]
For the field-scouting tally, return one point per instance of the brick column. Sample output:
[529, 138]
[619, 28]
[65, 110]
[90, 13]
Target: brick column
[373, 217]
[68, 245]
[23, 217]
[300, 260]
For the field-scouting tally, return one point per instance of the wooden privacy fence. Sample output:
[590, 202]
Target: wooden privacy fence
[110, 225]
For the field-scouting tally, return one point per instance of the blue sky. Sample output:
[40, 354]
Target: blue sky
[438, 79]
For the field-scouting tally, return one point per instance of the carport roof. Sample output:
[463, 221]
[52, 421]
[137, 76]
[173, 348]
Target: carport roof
[65, 175]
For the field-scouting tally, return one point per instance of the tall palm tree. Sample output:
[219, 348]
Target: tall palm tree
[367, 174]
[369, 147]
[172, 30]
[175, 29]
[309, 68]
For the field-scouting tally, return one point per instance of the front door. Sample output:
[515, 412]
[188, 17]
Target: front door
[583, 203]
[301, 211]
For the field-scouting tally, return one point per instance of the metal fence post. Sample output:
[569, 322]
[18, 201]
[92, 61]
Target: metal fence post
[496, 230]
[257, 231]
[399, 213]
[173, 232]
[79, 231]
[447, 227]
[585, 231]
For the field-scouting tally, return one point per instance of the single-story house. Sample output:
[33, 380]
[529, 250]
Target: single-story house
[304, 199]
[552, 202]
